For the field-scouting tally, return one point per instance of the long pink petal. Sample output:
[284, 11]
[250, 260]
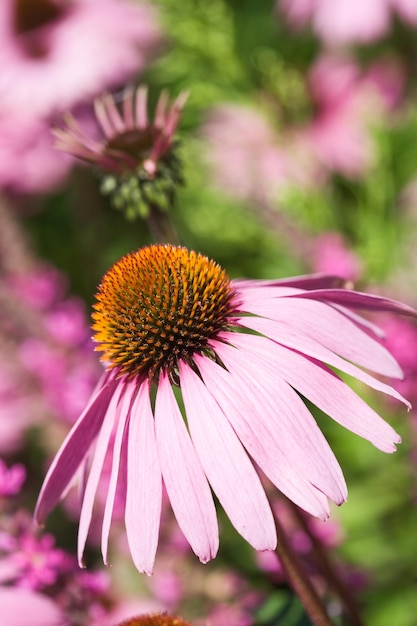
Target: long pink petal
[226, 464]
[308, 282]
[96, 468]
[141, 108]
[144, 484]
[332, 329]
[183, 476]
[73, 451]
[102, 117]
[359, 300]
[122, 417]
[261, 438]
[323, 388]
[285, 412]
[296, 341]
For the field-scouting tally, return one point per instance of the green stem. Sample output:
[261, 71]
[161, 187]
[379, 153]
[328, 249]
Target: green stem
[300, 580]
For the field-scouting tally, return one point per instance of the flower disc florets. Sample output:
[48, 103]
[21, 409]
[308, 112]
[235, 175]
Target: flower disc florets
[157, 306]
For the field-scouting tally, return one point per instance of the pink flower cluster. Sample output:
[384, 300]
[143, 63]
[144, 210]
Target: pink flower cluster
[41, 584]
[48, 365]
[54, 56]
[253, 161]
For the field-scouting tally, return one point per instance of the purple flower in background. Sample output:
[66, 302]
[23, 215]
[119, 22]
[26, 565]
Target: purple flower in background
[56, 53]
[169, 322]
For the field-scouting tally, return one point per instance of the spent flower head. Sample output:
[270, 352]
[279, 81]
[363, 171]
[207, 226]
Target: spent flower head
[136, 156]
[203, 375]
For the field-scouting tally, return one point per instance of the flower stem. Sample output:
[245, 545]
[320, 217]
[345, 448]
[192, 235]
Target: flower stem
[329, 570]
[161, 226]
[299, 579]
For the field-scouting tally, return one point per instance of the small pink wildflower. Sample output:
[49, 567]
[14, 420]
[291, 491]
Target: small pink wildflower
[167, 319]
[11, 478]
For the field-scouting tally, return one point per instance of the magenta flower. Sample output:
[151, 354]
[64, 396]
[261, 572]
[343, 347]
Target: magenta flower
[54, 54]
[180, 340]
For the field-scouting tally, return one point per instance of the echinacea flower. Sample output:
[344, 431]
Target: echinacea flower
[56, 53]
[203, 374]
[136, 155]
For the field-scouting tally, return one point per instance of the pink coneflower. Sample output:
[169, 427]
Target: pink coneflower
[137, 153]
[55, 53]
[203, 374]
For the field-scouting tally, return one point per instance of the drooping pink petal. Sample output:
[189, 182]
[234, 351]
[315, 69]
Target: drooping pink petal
[360, 321]
[183, 476]
[323, 388]
[307, 282]
[95, 471]
[306, 345]
[73, 451]
[260, 437]
[359, 300]
[144, 484]
[226, 465]
[286, 413]
[330, 328]
[123, 416]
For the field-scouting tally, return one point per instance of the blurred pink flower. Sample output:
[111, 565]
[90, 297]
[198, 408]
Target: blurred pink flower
[56, 53]
[401, 338]
[11, 478]
[332, 256]
[348, 102]
[28, 161]
[22, 607]
[246, 156]
[231, 383]
[339, 22]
